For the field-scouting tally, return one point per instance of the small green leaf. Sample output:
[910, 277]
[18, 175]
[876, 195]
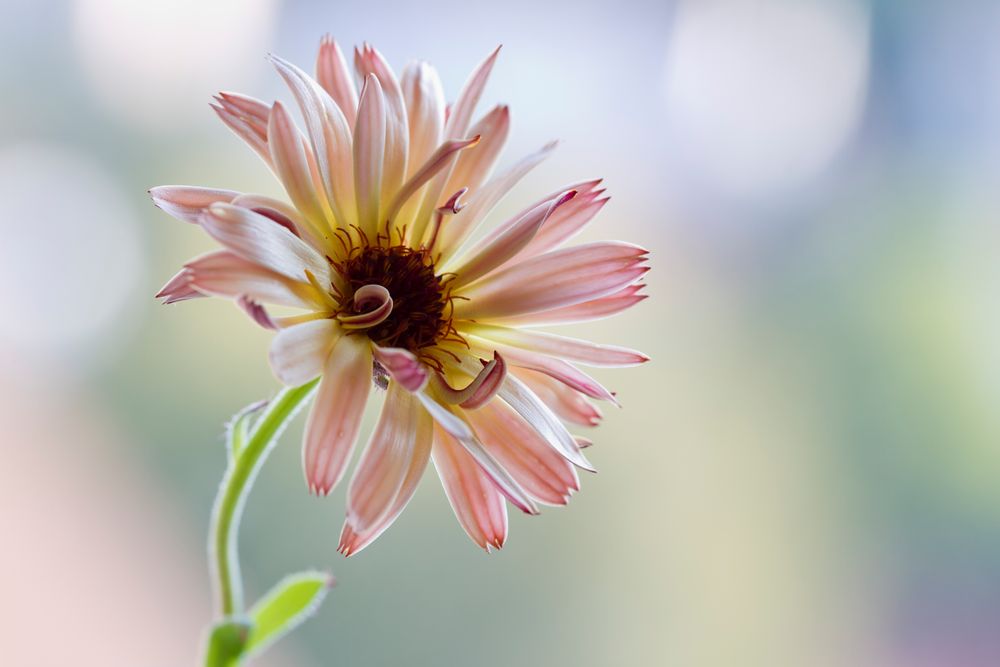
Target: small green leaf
[285, 607]
[227, 642]
[238, 429]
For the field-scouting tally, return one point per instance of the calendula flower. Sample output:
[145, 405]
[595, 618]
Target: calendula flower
[392, 287]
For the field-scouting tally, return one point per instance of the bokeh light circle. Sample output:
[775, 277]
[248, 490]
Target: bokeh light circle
[760, 96]
[148, 59]
[70, 257]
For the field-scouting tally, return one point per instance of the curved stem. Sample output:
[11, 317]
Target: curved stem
[228, 509]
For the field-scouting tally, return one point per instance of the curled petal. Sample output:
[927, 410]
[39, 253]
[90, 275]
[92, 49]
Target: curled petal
[478, 392]
[374, 304]
[403, 366]
[565, 372]
[187, 202]
[256, 312]
[452, 205]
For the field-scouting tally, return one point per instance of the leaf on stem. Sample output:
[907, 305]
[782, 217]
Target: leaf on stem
[294, 599]
[226, 643]
[238, 429]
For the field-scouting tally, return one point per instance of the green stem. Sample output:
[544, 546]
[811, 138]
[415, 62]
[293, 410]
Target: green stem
[243, 468]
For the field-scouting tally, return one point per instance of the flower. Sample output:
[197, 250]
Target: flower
[378, 257]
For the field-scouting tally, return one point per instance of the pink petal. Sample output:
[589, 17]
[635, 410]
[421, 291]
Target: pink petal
[240, 114]
[477, 503]
[299, 352]
[368, 61]
[335, 76]
[403, 366]
[468, 98]
[369, 154]
[286, 216]
[179, 288]
[571, 349]
[457, 427]
[256, 312]
[249, 108]
[566, 402]
[292, 164]
[187, 202]
[352, 540]
[586, 311]
[565, 223]
[335, 420]
[473, 168]
[485, 199]
[486, 257]
[402, 427]
[330, 136]
[540, 469]
[226, 274]
[554, 279]
[585, 193]
[425, 107]
[257, 239]
[524, 401]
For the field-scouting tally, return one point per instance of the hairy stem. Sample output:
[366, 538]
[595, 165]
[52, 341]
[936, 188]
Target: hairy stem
[228, 509]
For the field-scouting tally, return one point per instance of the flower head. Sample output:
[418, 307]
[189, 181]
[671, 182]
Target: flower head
[391, 288]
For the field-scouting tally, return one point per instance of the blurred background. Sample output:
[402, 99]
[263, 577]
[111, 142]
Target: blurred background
[807, 473]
